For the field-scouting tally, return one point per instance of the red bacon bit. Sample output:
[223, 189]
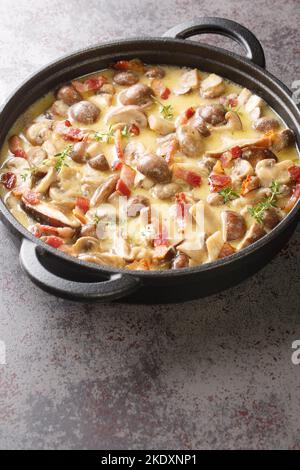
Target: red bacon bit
[90, 84]
[189, 112]
[236, 152]
[233, 102]
[192, 178]
[122, 188]
[169, 149]
[161, 238]
[226, 158]
[180, 205]
[74, 134]
[127, 175]
[82, 203]
[134, 129]
[293, 199]
[31, 197]
[218, 182]
[67, 123]
[295, 173]
[226, 250]
[15, 145]
[53, 241]
[160, 89]
[9, 180]
[116, 165]
[134, 65]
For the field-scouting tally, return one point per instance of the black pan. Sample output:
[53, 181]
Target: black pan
[68, 277]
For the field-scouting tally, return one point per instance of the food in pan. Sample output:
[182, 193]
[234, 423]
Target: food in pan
[150, 167]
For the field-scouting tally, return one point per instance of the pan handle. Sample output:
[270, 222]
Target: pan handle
[224, 27]
[117, 285]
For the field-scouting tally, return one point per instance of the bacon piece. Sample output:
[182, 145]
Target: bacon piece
[31, 197]
[83, 204]
[53, 241]
[160, 89]
[9, 180]
[226, 250]
[218, 182]
[15, 145]
[295, 173]
[294, 198]
[134, 65]
[73, 134]
[90, 84]
[190, 177]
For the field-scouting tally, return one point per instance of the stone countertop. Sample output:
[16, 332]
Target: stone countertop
[214, 373]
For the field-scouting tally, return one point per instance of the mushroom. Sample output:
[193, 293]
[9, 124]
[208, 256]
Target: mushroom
[36, 155]
[252, 103]
[85, 244]
[84, 112]
[212, 86]
[128, 115]
[78, 152]
[256, 154]
[234, 225]
[126, 78]
[138, 94]
[180, 261]
[265, 124]
[215, 199]
[160, 125]
[103, 258]
[154, 167]
[190, 140]
[268, 170]
[271, 218]
[136, 204]
[104, 191]
[155, 72]
[99, 162]
[206, 217]
[214, 244]
[165, 191]
[241, 169]
[46, 182]
[188, 82]
[212, 113]
[244, 96]
[59, 108]
[282, 140]
[68, 95]
[39, 132]
[233, 123]
[49, 214]
[255, 232]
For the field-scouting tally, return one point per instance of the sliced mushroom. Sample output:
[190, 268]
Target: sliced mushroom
[188, 82]
[154, 167]
[39, 132]
[190, 141]
[128, 115]
[244, 96]
[36, 155]
[212, 86]
[282, 140]
[46, 182]
[255, 232]
[103, 259]
[214, 244]
[241, 169]
[160, 125]
[88, 230]
[233, 123]
[256, 154]
[85, 244]
[104, 191]
[180, 261]
[138, 94]
[50, 215]
[266, 124]
[253, 102]
[194, 248]
[59, 108]
[268, 171]
[165, 191]
[233, 225]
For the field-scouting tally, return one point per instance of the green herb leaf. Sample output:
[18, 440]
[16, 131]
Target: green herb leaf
[228, 194]
[258, 211]
[61, 157]
[105, 136]
[166, 110]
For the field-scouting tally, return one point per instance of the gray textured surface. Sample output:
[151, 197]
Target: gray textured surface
[214, 373]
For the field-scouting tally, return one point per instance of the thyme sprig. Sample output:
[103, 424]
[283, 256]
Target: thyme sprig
[258, 211]
[61, 157]
[108, 136]
[166, 110]
[228, 194]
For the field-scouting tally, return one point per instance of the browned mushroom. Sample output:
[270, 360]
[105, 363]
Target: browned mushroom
[255, 232]
[234, 225]
[104, 191]
[154, 167]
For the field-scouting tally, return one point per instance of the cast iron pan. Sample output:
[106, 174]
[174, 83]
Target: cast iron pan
[67, 277]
